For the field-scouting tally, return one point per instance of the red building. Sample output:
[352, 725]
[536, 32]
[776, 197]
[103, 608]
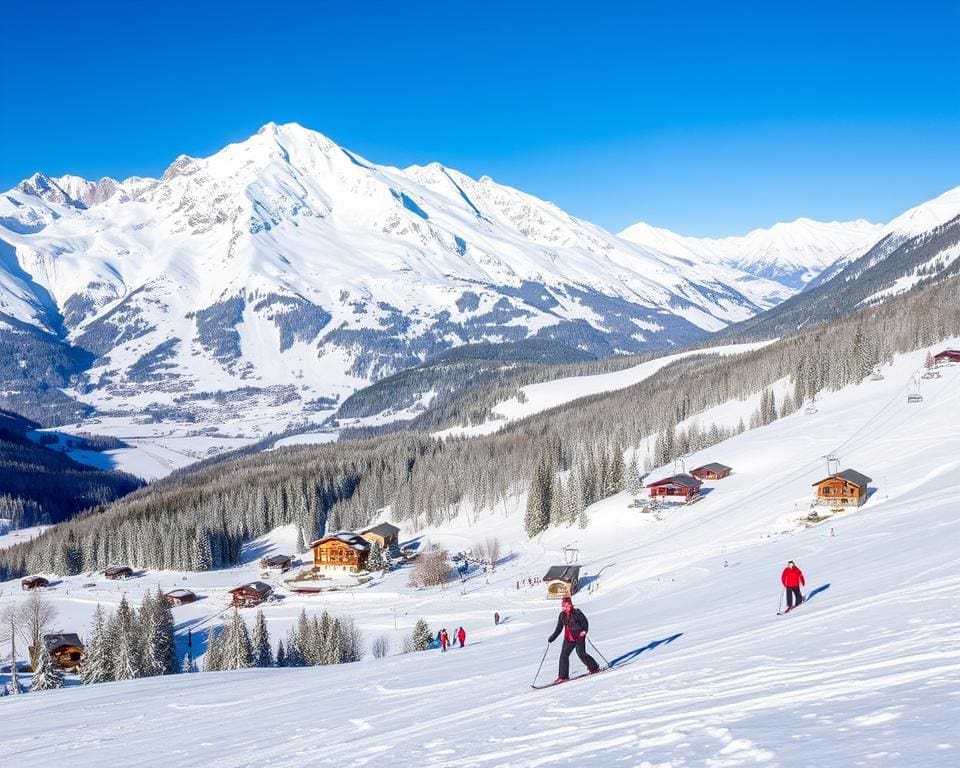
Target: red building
[947, 356]
[712, 471]
[685, 486]
[250, 594]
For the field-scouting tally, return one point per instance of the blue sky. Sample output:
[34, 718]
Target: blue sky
[708, 118]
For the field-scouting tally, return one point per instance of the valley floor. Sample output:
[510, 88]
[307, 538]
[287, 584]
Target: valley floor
[684, 603]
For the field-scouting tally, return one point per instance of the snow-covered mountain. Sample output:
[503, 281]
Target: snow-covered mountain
[793, 253]
[291, 267]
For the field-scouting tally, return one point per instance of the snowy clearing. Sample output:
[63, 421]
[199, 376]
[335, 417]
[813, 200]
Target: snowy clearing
[537, 398]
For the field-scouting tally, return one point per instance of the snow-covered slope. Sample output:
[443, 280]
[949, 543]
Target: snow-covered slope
[792, 254]
[705, 673]
[291, 267]
[536, 398]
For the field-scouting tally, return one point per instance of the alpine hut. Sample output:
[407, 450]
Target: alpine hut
[341, 552]
[385, 534]
[66, 650]
[115, 572]
[685, 486]
[847, 488]
[276, 563]
[947, 356]
[180, 597]
[250, 594]
[711, 471]
[562, 580]
[33, 582]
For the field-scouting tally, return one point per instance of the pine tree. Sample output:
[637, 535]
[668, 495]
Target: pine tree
[634, 483]
[422, 637]
[281, 654]
[95, 666]
[187, 665]
[237, 650]
[212, 660]
[262, 652]
[375, 558]
[537, 516]
[47, 675]
[124, 643]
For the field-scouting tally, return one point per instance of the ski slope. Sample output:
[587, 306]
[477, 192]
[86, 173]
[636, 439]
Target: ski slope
[536, 398]
[684, 602]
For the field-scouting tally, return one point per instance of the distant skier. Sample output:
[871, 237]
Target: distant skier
[792, 579]
[574, 626]
[461, 636]
[496, 619]
[444, 640]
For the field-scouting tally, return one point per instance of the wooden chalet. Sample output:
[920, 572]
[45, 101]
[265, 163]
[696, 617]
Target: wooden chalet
[34, 582]
[115, 572]
[385, 534]
[66, 650]
[712, 471]
[947, 356]
[250, 594]
[685, 486]
[341, 552]
[847, 488]
[562, 580]
[278, 563]
[180, 597]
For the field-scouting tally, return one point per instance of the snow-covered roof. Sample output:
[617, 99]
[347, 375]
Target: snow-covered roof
[352, 540]
[713, 466]
[383, 529]
[253, 586]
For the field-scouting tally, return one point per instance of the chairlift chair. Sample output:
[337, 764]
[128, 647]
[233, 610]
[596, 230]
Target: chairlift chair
[915, 397]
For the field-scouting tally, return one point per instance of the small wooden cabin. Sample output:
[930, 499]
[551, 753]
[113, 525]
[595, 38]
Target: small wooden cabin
[278, 563]
[66, 650]
[385, 534]
[847, 488]
[685, 486]
[180, 597]
[712, 471]
[33, 582]
[341, 552]
[947, 356]
[250, 594]
[115, 572]
[562, 580]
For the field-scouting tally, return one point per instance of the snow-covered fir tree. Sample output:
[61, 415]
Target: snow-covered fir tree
[422, 637]
[47, 674]
[237, 650]
[262, 652]
[281, 654]
[214, 653]
[96, 665]
[124, 643]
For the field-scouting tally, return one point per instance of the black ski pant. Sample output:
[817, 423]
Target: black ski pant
[567, 649]
[793, 596]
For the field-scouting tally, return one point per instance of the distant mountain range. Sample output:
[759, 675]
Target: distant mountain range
[284, 272]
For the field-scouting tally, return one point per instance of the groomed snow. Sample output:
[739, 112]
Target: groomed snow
[866, 673]
[549, 394]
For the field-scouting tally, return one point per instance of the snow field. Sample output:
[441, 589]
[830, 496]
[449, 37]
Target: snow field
[706, 674]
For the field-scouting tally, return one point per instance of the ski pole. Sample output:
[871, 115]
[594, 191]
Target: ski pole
[541, 664]
[780, 604]
[598, 651]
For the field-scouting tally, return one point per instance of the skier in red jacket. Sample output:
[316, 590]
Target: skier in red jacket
[462, 636]
[792, 579]
[444, 640]
[574, 626]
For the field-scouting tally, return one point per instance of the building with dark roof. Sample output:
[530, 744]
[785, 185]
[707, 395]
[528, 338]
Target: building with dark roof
[685, 486]
[712, 471]
[847, 488]
[562, 580]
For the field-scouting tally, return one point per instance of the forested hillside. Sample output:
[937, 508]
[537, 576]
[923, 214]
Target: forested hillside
[42, 486]
[199, 519]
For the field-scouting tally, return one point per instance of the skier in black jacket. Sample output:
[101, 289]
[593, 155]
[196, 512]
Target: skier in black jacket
[574, 626]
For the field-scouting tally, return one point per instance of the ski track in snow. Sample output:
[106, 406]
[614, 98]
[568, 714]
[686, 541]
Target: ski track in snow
[867, 673]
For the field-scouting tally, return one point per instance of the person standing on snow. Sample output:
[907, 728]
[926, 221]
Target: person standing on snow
[792, 579]
[574, 626]
[461, 636]
[444, 640]
[496, 619]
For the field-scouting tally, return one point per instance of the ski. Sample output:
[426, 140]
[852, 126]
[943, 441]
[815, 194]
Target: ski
[582, 675]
